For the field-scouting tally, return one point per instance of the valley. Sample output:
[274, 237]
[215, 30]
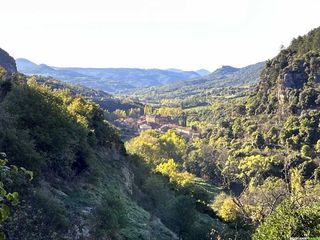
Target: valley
[141, 154]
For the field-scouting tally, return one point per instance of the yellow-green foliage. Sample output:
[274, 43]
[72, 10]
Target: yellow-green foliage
[120, 113]
[254, 164]
[225, 206]
[169, 168]
[2, 71]
[147, 110]
[173, 143]
[228, 210]
[81, 110]
[146, 145]
[296, 186]
[153, 146]
[317, 147]
[169, 111]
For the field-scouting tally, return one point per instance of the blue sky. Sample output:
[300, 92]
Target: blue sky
[185, 34]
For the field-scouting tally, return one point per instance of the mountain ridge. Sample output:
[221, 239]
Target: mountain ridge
[212, 84]
[107, 79]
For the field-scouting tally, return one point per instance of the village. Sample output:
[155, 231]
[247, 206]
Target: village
[132, 127]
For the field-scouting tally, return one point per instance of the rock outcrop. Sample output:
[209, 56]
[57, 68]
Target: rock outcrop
[290, 81]
[7, 62]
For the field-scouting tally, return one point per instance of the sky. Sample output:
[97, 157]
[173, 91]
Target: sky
[184, 34]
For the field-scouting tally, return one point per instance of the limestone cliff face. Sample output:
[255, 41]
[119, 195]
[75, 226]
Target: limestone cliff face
[290, 78]
[7, 62]
[290, 81]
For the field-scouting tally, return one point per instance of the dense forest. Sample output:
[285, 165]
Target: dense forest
[260, 151]
[252, 172]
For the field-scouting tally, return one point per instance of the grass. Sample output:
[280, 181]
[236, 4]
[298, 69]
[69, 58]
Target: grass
[209, 188]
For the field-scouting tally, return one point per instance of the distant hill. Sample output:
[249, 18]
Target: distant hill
[106, 101]
[107, 79]
[224, 80]
[224, 71]
[203, 72]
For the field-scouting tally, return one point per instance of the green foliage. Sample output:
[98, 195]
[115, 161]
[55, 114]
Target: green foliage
[254, 165]
[169, 201]
[51, 129]
[10, 178]
[183, 206]
[317, 147]
[60, 138]
[263, 149]
[111, 216]
[288, 222]
[54, 213]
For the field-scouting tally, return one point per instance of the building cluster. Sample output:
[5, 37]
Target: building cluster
[133, 126]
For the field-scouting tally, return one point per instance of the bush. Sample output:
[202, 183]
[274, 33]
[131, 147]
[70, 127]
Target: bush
[110, 216]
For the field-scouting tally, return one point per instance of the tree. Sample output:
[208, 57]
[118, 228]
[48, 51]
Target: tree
[147, 110]
[8, 176]
[254, 165]
[181, 179]
[168, 111]
[173, 145]
[134, 112]
[147, 146]
[258, 140]
[120, 113]
[225, 206]
[111, 215]
[306, 151]
[184, 216]
[317, 147]
[289, 222]
[272, 136]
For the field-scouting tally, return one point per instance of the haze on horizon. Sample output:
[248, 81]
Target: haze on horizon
[184, 34]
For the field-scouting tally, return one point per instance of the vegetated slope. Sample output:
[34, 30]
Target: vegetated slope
[105, 100]
[290, 90]
[84, 186]
[265, 148]
[224, 81]
[106, 79]
[82, 180]
[290, 81]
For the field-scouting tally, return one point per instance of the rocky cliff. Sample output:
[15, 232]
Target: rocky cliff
[7, 62]
[290, 81]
